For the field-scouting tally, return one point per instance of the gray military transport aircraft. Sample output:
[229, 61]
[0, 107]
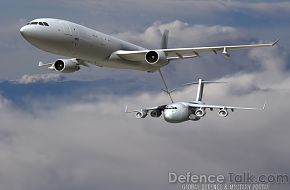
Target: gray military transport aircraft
[85, 46]
[177, 112]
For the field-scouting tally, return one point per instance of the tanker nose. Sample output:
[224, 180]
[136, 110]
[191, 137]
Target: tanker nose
[30, 33]
[24, 31]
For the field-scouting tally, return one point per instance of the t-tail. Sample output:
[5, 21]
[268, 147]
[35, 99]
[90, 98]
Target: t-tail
[200, 88]
[199, 92]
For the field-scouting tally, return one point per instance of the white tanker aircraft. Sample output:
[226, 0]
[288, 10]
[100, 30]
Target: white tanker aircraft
[84, 46]
[177, 112]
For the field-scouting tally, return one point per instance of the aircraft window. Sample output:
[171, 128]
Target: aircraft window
[40, 23]
[45, 24]
[171, 108]
[34, 23]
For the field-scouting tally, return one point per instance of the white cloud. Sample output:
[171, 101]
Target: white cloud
[4, 103]
[266, 7]
[181, 6]
[95, 145]
[34, 78]
[182, 34]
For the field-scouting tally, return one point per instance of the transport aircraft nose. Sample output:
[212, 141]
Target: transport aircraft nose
[23, 31]
[28, 33]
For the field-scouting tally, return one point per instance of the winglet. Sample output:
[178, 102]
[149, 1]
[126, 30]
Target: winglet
[205, 82]
[132, 111]
[264, 106]
[273, 44]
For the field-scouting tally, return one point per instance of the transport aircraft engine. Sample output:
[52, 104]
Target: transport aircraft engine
[155, 113]
[66, 66]
[200, 112]
[223, 113]
[157, 58]
[141, 114]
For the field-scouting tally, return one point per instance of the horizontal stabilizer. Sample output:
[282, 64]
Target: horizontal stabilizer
[204, 82]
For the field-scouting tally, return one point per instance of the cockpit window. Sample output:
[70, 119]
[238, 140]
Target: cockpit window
[171, 108]
[38, 23]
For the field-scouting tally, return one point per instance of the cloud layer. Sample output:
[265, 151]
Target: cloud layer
[34, 78]
[182, 34]
[95, 145]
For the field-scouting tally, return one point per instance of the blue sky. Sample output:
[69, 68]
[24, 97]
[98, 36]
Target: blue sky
[69, 131]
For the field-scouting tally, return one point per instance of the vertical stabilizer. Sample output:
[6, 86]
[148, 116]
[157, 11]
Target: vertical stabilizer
[199, 90]
[164, 40]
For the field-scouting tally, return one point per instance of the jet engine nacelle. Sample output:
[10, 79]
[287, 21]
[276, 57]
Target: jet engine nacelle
[157, 58]
[200, 112]
[66, 65]
[141, 114]
[155, 113]
[223, 113]
[193, 117]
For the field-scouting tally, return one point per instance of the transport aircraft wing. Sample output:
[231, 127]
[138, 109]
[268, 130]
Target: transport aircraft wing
[142, 113]
[223, 110]
[204, 106]
[61, 64]
[161, 107]
[183, 53]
